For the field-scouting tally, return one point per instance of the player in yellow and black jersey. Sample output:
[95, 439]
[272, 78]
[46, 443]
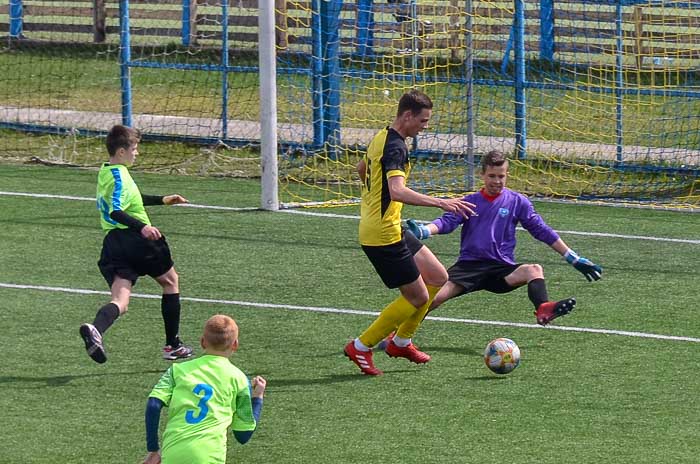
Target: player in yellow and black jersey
[401, 260]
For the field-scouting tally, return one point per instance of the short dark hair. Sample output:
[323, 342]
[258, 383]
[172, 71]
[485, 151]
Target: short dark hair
[414, 101]
[493, 158]
[121, 137]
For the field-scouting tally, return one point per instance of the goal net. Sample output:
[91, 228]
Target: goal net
[593, 100]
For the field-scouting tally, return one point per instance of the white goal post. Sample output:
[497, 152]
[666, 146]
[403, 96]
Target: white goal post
[268, 106]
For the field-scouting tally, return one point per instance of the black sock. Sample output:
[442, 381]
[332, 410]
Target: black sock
[105, 317]
[537, 292]
[170, 309]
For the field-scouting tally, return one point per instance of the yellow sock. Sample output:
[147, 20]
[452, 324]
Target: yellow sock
[391, 316]
[409, 327]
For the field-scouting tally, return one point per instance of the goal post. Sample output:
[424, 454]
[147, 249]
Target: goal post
[268, 106]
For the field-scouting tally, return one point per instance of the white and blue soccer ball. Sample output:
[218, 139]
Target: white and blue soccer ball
[502, 355]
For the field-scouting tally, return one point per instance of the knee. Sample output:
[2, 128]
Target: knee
[123, 307]
[419, 299]
[436, 278]
[419, 302]
[171, 281]
[534, 271]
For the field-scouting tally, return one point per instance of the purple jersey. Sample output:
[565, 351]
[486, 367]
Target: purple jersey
[490, 236]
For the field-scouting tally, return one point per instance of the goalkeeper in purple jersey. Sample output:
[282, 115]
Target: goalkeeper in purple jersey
[486, 260]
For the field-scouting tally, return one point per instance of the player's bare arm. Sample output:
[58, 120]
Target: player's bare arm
[560, 247]
[362, 170]
[399, 192]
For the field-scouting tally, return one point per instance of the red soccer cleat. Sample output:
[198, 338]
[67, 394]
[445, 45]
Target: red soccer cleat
[551, 310]
[409, 352]
[363, 359]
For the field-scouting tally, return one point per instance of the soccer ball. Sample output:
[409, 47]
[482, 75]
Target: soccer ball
[502, 355]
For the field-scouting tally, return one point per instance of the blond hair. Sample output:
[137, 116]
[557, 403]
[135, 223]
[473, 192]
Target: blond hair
[220, 331]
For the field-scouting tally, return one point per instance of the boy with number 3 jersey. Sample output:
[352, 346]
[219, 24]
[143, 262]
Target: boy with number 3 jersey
[204, 396]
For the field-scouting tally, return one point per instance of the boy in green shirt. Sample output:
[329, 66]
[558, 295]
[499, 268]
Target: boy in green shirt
[132, 247]
[204, 396]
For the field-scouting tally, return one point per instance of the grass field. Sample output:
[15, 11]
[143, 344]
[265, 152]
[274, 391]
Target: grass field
[300, 287]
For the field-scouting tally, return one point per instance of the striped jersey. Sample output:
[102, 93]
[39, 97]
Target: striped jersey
[380, 217]
[117, 191]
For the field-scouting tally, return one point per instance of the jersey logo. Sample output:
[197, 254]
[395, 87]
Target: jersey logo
[503, 212]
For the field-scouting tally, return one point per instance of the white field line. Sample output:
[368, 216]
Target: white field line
[321, 309]
[347, 216]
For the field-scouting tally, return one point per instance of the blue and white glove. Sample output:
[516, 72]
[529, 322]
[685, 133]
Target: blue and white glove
[585, 266]
[419, 230]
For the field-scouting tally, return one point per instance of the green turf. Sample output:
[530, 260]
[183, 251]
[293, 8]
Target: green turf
[577, 397]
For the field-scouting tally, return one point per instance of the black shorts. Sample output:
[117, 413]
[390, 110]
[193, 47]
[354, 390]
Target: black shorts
[473, 276]
[394, 263]
[127, 254]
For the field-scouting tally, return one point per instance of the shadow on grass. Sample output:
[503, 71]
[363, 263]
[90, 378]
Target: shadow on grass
[275, 383]
[471, 351]
[61, 380]
[487, 378]
[451, 349]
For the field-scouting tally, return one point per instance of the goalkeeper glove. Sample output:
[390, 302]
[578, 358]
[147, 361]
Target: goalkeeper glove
[585, 266]
[419, 230]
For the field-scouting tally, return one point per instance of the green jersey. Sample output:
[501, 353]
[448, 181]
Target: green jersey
[203, 396]
[117, 191]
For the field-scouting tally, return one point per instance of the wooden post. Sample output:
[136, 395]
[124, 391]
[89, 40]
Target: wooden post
[99, 15]
[638, 36]
[281, 34]
[453, 29]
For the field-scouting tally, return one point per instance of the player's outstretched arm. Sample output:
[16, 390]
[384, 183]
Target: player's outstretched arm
[458, 206]
[589, 269]
[174, 200]
[399, 192]
[585, 266]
